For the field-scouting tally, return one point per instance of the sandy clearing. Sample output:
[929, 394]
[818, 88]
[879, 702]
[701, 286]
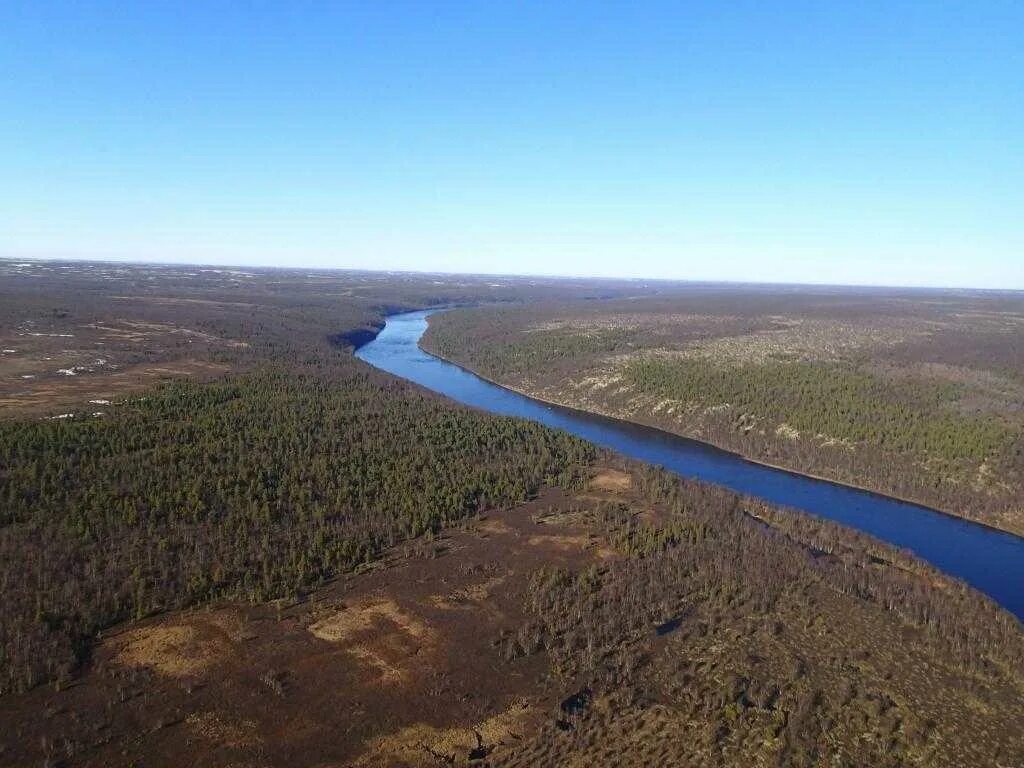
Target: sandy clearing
[379, 634]
[177, 651]
[350, 621]
[467, 596]
[495, 527]
[612, 480]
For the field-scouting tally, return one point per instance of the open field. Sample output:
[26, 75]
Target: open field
[234, 561]
[918, 394]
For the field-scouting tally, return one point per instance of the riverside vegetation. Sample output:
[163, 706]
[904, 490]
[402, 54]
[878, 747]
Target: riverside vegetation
[914, 394]
[231, 540]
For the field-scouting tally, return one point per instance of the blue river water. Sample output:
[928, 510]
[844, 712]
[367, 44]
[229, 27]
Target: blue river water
[989, 560]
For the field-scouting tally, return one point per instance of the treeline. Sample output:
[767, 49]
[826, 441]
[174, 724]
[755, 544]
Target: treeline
[498, 343]
[256, 487]
[711, 639]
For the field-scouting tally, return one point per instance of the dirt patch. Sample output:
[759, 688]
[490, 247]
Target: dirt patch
[177, 650]
[788, 432]
[467, 596]
[400, 664]
[425, 745]
[481, 591]
[612, 480]
[495, 527]
[386, 661]
[45, 393]
[560, 542]
[349, 622]
[380, 635]
[213, 728]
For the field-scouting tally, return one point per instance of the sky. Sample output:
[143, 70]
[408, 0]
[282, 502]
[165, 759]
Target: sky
[823, 142]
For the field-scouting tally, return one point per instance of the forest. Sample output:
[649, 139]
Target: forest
[840, 402]
[258, 483]
[256, 488]
[916, 395]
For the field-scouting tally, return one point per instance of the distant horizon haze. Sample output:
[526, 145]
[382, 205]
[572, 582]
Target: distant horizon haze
[875, 144]
[241, 265]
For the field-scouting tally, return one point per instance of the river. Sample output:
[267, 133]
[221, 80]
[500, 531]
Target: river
[989, 560]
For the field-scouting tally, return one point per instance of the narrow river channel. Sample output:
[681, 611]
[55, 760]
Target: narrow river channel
[991, 561]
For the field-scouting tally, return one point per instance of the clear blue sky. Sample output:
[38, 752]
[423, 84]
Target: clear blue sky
[854, 142]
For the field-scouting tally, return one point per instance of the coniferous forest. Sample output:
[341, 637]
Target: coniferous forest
[255, 488]
[296, 465]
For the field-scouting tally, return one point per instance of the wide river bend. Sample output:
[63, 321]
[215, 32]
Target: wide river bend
[989, 560]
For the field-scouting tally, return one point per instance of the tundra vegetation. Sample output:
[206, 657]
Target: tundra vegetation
[918, 394]
[232, 541]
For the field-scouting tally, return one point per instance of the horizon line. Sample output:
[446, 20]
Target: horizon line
[141, 262]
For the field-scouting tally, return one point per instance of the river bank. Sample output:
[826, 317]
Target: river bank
[712, 445]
